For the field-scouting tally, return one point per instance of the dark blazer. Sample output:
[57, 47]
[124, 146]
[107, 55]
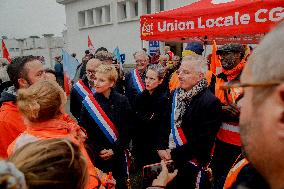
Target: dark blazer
[76, 101]
[200, 124]
[151, 119]
[130, 90]
[118, 110]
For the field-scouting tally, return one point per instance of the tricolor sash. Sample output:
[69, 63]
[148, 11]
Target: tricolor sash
[100, 117]
[178, 135]
[82, 89]
[137, 80]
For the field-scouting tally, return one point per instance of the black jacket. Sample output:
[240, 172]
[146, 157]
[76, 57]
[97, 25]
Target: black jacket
[118, 110]
[151, 119]
[130, 90]
[7, 95]
[200, 124]
[76, 101]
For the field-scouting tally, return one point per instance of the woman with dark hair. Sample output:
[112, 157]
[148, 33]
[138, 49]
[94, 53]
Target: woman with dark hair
[150, 109]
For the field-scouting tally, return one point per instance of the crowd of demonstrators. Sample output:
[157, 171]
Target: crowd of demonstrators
[172, 110]
[106, 117]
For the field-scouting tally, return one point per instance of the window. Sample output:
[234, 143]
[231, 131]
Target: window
[81, 19]
[90, 17]
[121, 10]
[136, 9]
[107, 13]
[11, 49]
[162, 5]
[148, 6]
[99, 13]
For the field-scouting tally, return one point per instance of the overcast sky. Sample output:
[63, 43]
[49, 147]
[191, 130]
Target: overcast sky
[23, 18]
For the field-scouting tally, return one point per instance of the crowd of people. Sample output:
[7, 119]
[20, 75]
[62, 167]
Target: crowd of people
[221, 130]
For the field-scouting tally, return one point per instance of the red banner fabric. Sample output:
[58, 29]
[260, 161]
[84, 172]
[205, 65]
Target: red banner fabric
[244, 21]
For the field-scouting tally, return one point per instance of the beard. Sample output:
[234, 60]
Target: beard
[228, 63]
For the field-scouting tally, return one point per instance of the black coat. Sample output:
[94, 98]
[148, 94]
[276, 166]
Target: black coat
[130, 90]
[200, 124]
[118, 110]
[76, 101]
[151, 119]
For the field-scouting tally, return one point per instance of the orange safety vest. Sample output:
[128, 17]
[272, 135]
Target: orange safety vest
[234, 172]
[229, 131]
[174, 81]
[61, 127]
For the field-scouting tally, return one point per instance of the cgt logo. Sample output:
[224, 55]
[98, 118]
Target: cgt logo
[147, 29]
[221, 1]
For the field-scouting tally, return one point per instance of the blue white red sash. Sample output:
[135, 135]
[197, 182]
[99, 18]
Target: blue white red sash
[137, 80]
[82, 89]
[178, 135]
[100, 117]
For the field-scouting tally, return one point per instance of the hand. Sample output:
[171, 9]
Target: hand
[164, 177]
[231, 110]
[106, 154]
[164, 154]
[110, 183]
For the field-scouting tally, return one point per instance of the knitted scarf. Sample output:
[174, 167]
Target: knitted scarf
[235, 72]
[184, 98]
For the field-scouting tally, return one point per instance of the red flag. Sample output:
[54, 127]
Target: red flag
[5, 52]
[91, 46]
[66, 84]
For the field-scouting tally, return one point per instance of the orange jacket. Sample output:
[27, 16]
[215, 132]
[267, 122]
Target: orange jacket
[61, 127]
[234, 172]
[11, 125]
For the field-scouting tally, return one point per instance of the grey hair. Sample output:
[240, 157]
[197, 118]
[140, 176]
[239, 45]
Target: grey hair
[140, 53]
[201, 62]
[159, 69]
[266, 62]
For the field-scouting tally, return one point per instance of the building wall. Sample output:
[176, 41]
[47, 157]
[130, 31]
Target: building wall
[48, 47]
[114, 27]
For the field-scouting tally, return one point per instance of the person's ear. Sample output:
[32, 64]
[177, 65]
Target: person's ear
[23, 83]
[112, 84]
[280, 100]
[161, 81]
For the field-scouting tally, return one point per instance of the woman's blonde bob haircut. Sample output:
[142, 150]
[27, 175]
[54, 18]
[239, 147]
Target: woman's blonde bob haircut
[108, 70]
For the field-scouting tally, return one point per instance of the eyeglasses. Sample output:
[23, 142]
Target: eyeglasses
[234, 91]
[140, 61]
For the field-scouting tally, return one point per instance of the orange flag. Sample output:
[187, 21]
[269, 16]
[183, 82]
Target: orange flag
[215, 66]
[5, 52]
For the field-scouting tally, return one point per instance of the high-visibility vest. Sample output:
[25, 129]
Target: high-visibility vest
[229, 131]
[234, 172]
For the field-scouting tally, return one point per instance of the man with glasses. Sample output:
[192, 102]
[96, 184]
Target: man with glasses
[228, 145]
[262, 116]
[135, 79]
[83, 87]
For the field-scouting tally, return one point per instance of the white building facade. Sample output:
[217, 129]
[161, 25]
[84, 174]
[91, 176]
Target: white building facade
[110, 23]
[47, 47]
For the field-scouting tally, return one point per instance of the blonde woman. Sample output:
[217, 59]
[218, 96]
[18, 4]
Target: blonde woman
[42, 105]
[45, 164]
[106, 117]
